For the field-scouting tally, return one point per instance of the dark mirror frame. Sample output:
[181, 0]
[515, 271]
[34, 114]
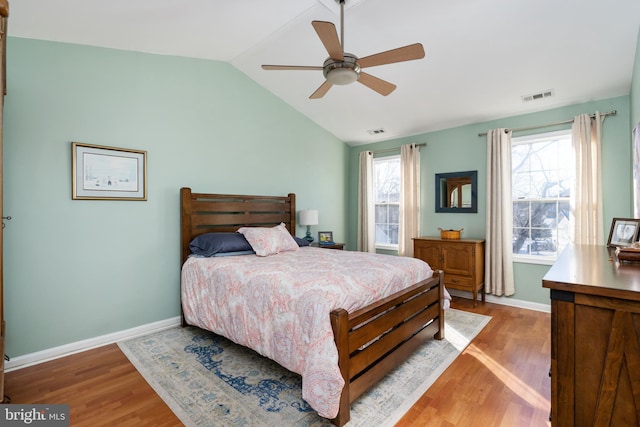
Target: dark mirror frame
[441, 191]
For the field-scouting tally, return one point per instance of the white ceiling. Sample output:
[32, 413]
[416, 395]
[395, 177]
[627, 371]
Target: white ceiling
[482, 56]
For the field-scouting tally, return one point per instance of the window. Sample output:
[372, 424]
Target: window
[386, 184]
[542, 177]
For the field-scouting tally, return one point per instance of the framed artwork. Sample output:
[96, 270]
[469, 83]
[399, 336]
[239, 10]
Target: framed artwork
[624, 231]
[325, 237]
[108, 173]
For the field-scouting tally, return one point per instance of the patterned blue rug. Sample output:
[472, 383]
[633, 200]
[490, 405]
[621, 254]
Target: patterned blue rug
[207, 380]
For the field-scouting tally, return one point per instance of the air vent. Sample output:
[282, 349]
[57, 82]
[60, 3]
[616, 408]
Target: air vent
[537, 96]
[375, 131]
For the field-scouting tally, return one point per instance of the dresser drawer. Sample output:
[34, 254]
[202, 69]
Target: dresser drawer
[457, 282]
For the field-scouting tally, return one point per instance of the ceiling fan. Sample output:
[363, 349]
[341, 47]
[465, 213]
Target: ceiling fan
[342, 68]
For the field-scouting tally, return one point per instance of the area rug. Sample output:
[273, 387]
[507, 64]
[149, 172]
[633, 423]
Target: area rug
[207, 380]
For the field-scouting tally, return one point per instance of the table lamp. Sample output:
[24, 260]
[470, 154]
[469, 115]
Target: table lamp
[308, 218]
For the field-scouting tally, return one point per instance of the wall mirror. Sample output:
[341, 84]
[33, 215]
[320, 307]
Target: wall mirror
[457, 192]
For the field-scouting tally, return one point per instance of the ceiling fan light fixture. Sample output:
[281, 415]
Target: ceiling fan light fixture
[342, 72]
[342, 76]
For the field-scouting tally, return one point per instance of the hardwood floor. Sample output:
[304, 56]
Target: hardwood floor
[501, 379]
[101, 386]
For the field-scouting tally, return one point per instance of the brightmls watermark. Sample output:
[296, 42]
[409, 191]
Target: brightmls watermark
[34, 415]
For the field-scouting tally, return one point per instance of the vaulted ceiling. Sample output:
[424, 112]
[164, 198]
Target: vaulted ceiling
[482, 56]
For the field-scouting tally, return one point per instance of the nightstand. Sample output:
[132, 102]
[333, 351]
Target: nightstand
[339, 246]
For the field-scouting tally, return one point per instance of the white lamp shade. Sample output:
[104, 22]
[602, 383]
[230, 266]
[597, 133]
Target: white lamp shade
[308, 217]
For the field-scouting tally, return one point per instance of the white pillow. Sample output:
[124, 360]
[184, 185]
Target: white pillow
[267, 241]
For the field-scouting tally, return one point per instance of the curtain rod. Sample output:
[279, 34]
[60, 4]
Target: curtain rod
[391, 150]
[610, 113]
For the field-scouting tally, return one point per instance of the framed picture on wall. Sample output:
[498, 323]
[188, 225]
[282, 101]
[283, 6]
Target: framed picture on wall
[108, 173]
[624, 231]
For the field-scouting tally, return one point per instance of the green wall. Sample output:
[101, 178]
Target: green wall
[461, 149]
[80, 269]
[635, 87]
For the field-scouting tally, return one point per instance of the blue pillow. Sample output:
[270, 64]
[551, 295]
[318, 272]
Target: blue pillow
[235, 253]
[301, 242]
[209, 244]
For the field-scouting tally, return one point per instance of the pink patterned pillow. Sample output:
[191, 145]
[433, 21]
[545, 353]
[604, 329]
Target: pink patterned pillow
[267, 241]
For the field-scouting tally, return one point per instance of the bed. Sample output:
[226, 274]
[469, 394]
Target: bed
[367, 337]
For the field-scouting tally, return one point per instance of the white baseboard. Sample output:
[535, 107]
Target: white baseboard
[20, 362]
[546, 308]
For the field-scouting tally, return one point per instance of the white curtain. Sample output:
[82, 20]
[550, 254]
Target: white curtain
[409, 198]
[586, 197]
[366, 204]
[498, 278]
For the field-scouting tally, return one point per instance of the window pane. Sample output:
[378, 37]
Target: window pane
[393, 234]
[382, 233]
[564, 224]
[382, 214]
[543, 214]
[394, 214]
[541, 182]
[387, 180]
[520, 158]
[521, 217]
[387, 234]
[387, 199]
[521, 241]
[521, 185]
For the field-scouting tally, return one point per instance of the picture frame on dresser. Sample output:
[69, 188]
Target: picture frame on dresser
[624, 232]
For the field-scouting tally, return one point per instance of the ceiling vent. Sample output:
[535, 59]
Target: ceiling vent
[537, 96]
[375, 131]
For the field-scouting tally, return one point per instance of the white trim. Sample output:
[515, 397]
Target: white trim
[512, 302]
[76, 347]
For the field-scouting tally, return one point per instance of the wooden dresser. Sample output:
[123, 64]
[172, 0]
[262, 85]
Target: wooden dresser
[461, 260]
[595, 339]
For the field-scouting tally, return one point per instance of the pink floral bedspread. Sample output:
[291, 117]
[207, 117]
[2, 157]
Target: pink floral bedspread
[279, 305]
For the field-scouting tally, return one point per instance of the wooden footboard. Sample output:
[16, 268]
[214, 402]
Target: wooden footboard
[377, 338]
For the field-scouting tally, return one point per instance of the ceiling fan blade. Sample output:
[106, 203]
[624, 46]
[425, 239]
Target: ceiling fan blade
[406, 53]
[329, 38]
[383, 87]
[322, 90]
[290, 67]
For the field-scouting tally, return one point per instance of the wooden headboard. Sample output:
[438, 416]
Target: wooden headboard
[205, 213]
